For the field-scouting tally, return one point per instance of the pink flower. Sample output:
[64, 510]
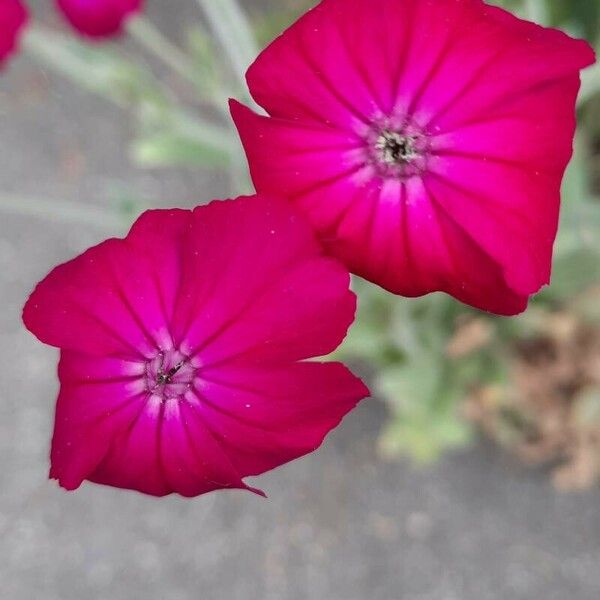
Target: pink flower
[13, 18]
[98, 18]
[183, 345]
[425, 140]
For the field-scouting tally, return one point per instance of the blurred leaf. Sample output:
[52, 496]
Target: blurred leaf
[367, 341]
[424, 440]
[590, 84]
[62, 211]
[209, 70]
[279, 16]
[576, 183]
[202, 51]
[171, 150]
[410, 387]
[580, 230]
[424, 405]
[175, 138]
[573, 273]
[537, 11]
[368, 337]
[99, 69]
[587, 13]
[235, 34]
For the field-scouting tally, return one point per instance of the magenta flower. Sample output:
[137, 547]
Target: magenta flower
[425, 140]
[183, 345]
[98, 18]
[13, 18]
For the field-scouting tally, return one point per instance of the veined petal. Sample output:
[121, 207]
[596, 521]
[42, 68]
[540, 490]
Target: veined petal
[108, 293]
[264, 417]
[303, 314]
[235, 252]
[518, 220]
[98, 399]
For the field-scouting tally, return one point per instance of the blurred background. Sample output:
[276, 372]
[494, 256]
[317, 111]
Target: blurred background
[473, 474]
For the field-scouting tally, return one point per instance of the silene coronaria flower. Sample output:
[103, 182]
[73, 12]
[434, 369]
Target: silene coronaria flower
[183, 349]
[13, 18]
[426, 140]
[98, 18]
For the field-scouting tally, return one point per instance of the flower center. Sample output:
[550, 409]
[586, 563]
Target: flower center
[169, 374]
[396, 149]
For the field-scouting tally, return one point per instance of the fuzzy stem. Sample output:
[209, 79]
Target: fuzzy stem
[145, 33]
[590, 83]
[61, 211]
[537, 11]
[231, 27]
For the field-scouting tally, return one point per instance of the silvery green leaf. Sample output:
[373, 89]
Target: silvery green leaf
[99, 69]
[170, 149]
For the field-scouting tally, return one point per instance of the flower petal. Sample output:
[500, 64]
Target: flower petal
[98, 18]
[167, 449]
[86, 295]
[266, 417]
[98, 398]
[13, 19]
[267, 298]
[518, 236]
[490, 98]
[110, 430]
[304, 313]
[496, 56]
[121, 293]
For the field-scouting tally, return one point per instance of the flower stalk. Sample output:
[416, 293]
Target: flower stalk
[147, 35]
[231, 27]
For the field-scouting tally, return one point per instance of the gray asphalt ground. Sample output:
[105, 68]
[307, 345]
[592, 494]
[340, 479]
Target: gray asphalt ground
[338, 525]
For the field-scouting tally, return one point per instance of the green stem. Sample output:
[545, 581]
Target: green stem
[144, 32]
[102, 72]
[61, 211]
[52, 50]
[590, 84]
[537, 11]
[234, 32]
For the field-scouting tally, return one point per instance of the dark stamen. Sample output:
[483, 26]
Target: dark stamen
[395, 148]
[168, 376]
[398, 150]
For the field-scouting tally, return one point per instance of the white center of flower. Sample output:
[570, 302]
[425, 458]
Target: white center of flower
[169, 374]
[396, 148]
